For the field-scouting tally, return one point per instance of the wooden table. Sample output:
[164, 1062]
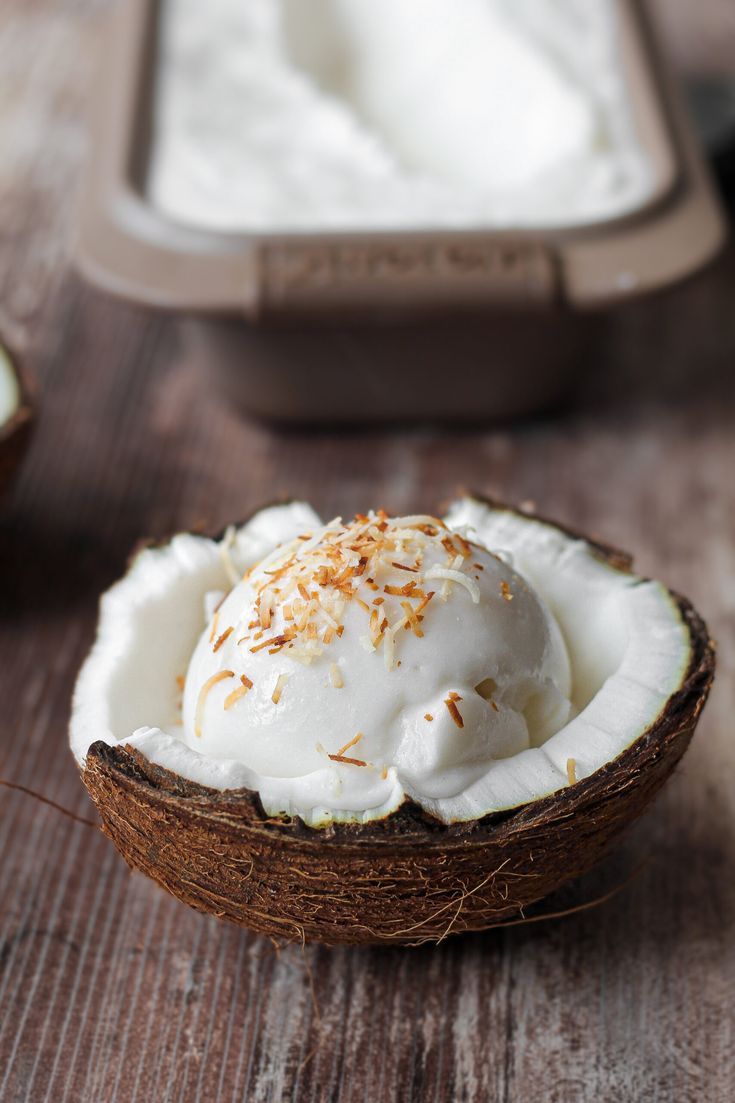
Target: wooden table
[109, 990]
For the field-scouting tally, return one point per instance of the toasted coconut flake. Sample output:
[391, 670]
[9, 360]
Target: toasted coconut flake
[404, 567]
[221, 639]
[505, 591]
[180, 681]
[349, 761]
[343, 577]
[464, 548]
[378, 600]
[424, 602]
[203, 693]
[572, 771]
[401, 591]
[451, 703]
[356, 739]
[213, 629]
[301, 656]
[412, 619]
[327, 616]
[231, 698]
[274, 641]
[241, 690]
[422, 520]
[335, 676]
[224, 550]
[278, 689]
[461, 579]
[428, 716]
[287, 587]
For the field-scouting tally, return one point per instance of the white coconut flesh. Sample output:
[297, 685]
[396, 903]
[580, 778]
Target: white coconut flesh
[534, 664]
[9, 388]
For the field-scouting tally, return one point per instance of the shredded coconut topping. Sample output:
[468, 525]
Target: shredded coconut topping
[308, 584]
[204, 691]
[456, 576]
[302, 589]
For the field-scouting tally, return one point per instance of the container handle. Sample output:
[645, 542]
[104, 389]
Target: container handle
[421, 275]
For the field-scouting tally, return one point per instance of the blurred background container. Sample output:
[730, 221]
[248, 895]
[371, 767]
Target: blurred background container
[362, 325]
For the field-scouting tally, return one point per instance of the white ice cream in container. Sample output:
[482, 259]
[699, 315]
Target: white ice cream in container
[286, 115]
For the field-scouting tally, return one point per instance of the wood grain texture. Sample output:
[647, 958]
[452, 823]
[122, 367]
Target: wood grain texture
[109, 989]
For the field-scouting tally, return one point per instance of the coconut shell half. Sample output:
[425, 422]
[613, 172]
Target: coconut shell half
[15, 430]
[405, 879]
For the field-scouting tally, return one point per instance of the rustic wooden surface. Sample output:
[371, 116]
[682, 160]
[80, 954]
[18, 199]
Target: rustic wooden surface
[109, 990]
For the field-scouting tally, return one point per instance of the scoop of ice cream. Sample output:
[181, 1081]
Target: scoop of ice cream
[385, 642]
[504, 113]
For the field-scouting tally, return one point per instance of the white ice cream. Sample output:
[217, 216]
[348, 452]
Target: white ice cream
[304, 661]
[327, 114]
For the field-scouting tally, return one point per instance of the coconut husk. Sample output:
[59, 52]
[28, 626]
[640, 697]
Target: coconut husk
[404, 879]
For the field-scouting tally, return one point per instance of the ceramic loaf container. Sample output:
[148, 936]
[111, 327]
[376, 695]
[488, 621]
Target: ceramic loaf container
[368, 327]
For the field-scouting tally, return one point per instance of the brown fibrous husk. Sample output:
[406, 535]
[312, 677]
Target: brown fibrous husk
[405, 879]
